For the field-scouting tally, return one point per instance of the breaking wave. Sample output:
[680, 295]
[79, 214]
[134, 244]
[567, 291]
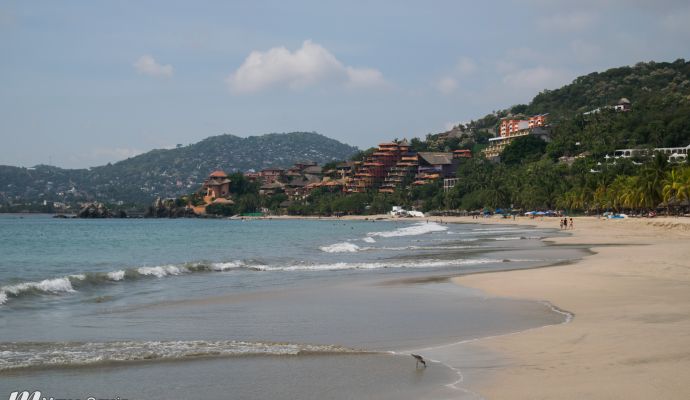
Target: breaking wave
[24, 355]
[411, 230]
[344, 247]
[73, 283]
[50, 286]
[380, 265]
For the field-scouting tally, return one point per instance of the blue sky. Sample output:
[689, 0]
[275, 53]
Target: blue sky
[85, 83]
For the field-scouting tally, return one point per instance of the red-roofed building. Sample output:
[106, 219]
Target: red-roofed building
[216, 186]
[375, 168]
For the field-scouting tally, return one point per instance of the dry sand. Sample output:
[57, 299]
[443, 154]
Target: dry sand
[630, 337]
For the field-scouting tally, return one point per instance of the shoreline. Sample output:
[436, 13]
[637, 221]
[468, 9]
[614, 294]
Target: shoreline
[631, 301]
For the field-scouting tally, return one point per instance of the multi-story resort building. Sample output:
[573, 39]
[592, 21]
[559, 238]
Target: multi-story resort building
[511, 129]
[395, 164]
[374, 169]
[404, 168]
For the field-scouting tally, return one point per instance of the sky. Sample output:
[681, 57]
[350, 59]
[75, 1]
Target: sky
[84, 83]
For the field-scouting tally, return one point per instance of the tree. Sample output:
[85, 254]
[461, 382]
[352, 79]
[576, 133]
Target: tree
[524, 149]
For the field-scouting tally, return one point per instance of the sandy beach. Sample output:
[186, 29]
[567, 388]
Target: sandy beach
[630, 335]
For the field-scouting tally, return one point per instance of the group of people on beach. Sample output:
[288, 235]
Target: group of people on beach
[565, 224]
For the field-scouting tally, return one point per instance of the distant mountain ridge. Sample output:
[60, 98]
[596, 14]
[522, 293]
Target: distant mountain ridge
[167, 173]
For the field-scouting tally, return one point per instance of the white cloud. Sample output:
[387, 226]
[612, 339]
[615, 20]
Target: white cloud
[447, 85]
[147, 65]
[537, 78]
[309, 65]
[570, 22]
[466, 66]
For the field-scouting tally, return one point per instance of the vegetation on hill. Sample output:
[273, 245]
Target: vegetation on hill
[533, 174]
[571, 172]
[162, 173]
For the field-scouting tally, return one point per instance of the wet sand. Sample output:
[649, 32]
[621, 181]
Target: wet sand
[630, 335]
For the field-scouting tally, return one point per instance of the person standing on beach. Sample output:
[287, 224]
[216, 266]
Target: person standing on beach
[571, 222]
[565, 223]
[561, 221]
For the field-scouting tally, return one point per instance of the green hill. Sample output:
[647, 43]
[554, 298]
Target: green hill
[660, 117]
[166, 173]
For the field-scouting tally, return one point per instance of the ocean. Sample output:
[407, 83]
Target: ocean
[254, 309]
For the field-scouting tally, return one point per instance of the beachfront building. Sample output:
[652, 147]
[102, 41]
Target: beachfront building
[216, 186]
[462, 154]
[374, 169]
[405, 168]
[423, 168]
[513, 128]
[270, 189]
[434, 166]
[271, 175]
[347, 169]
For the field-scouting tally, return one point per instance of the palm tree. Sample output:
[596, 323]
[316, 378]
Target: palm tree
[676, 186]
[682, 187]
[669, 187]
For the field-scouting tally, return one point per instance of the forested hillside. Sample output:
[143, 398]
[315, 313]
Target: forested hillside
[165, 173]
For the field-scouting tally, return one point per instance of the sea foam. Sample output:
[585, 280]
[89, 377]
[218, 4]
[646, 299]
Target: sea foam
[116, 275]
[339, 266]
[56, 285]
[61, 354]
[64, 285]
[225, 266]
[162, 271]
[344, 247]
[412, 230]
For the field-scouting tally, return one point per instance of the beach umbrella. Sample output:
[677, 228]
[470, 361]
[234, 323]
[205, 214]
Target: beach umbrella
[540, 213]
[530, 212]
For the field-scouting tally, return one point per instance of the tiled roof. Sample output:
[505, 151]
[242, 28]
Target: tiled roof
[436, 158]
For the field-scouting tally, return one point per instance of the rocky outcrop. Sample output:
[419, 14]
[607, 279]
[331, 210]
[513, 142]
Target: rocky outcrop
[94, 210]
[169, 208]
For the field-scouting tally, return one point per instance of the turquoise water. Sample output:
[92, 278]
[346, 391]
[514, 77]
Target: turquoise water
[206, 294]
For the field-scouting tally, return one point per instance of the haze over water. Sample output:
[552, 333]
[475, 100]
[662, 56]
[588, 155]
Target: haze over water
[254, 309]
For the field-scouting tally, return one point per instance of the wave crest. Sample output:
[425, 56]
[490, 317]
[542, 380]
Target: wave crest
[72, 283]
[344, 247]
[61, 354]
[411, 230]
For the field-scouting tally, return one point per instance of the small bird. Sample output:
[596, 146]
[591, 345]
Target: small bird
[419, 360]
